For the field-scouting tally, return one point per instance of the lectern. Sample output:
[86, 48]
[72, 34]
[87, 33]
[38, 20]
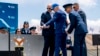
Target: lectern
[96, 41]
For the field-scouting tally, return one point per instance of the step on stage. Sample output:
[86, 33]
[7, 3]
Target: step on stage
[10, 53]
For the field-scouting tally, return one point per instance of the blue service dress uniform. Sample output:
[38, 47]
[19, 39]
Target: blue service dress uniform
[59, 20]
[79, 34]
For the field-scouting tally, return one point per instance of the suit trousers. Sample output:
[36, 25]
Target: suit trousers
[60, 43]
[49, 42]
[79, 45]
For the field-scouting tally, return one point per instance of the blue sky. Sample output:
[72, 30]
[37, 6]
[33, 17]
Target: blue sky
[30, 10]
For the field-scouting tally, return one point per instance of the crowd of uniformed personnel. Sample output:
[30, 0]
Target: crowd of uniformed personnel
[25, 30]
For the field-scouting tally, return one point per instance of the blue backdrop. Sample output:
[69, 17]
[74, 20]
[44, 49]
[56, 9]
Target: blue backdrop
[9, 15]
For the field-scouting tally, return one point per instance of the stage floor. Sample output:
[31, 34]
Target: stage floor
[90, 52]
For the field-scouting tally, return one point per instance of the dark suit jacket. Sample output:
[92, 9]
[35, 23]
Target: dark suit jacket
[45, 17]
[60, 21]
[83, 16]
[77, 23]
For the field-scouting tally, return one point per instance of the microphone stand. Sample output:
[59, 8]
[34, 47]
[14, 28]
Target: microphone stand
[9, 39]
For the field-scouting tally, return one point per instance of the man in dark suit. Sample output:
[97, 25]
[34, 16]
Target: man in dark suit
[48, 32]
[81, 12]
[83, 17]
[80, 31]
[59, 20]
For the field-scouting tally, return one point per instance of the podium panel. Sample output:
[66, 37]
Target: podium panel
[96, 39]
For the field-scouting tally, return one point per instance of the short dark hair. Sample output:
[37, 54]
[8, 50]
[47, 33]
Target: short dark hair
[76, 4]
[16, 31]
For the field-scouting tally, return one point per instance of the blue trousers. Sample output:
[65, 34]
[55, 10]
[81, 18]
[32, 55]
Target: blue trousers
[80, 45]
[60, 43]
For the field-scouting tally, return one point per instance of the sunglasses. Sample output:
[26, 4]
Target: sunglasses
[49, 8]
